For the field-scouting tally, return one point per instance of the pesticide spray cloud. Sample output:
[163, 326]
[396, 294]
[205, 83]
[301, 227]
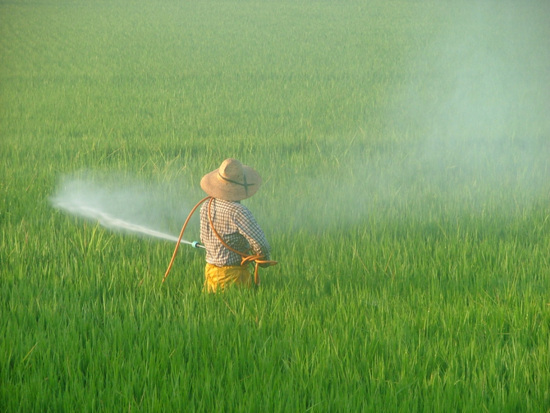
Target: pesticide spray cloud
[477, 99]
[466, 131]
[122, 204]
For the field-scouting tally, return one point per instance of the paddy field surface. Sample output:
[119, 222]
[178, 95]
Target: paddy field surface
[405, 152]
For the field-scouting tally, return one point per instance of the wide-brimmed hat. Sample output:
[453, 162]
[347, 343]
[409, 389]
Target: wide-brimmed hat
[232, 181]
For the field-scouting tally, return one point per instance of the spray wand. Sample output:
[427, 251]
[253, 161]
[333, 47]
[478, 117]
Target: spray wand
[194, 244]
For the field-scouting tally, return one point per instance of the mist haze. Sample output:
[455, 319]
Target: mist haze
[122, 203]
[476, 107]
[467, 131]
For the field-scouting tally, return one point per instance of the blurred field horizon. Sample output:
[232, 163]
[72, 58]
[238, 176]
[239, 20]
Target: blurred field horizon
[405, 154]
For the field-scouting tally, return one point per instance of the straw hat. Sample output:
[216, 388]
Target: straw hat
[232, 181]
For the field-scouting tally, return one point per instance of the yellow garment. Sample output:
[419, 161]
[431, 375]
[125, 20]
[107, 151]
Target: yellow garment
[220, 277]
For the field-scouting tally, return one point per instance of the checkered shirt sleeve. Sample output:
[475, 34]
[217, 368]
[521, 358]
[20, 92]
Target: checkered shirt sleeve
[238, 228]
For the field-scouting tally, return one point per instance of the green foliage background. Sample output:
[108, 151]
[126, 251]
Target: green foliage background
[405, 152]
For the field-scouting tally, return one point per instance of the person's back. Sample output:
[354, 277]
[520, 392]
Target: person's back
[236, 225]
[228, 229]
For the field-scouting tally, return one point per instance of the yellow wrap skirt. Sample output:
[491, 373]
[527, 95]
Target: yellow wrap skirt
[220, 277]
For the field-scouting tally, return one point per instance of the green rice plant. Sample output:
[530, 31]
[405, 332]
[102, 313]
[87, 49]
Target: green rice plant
[404, 150]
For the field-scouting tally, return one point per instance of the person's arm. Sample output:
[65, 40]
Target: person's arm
[249, 228]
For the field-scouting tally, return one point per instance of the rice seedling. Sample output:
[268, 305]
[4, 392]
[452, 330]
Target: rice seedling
[404, 150]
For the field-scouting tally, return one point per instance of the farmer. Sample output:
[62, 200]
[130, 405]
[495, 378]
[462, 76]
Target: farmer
[223, 216]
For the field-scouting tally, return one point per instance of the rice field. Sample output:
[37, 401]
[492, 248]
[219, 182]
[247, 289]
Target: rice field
[405, 153]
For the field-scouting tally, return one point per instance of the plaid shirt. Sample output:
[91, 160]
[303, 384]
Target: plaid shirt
[238, 228]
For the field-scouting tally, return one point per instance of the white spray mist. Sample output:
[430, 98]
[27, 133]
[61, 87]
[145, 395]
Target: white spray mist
[480, 105]
[467, 133]
[122, 204]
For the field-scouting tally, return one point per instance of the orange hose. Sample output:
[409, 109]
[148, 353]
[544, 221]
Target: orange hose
[181, 236]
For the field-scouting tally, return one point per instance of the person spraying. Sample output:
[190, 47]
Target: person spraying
[228, 230]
